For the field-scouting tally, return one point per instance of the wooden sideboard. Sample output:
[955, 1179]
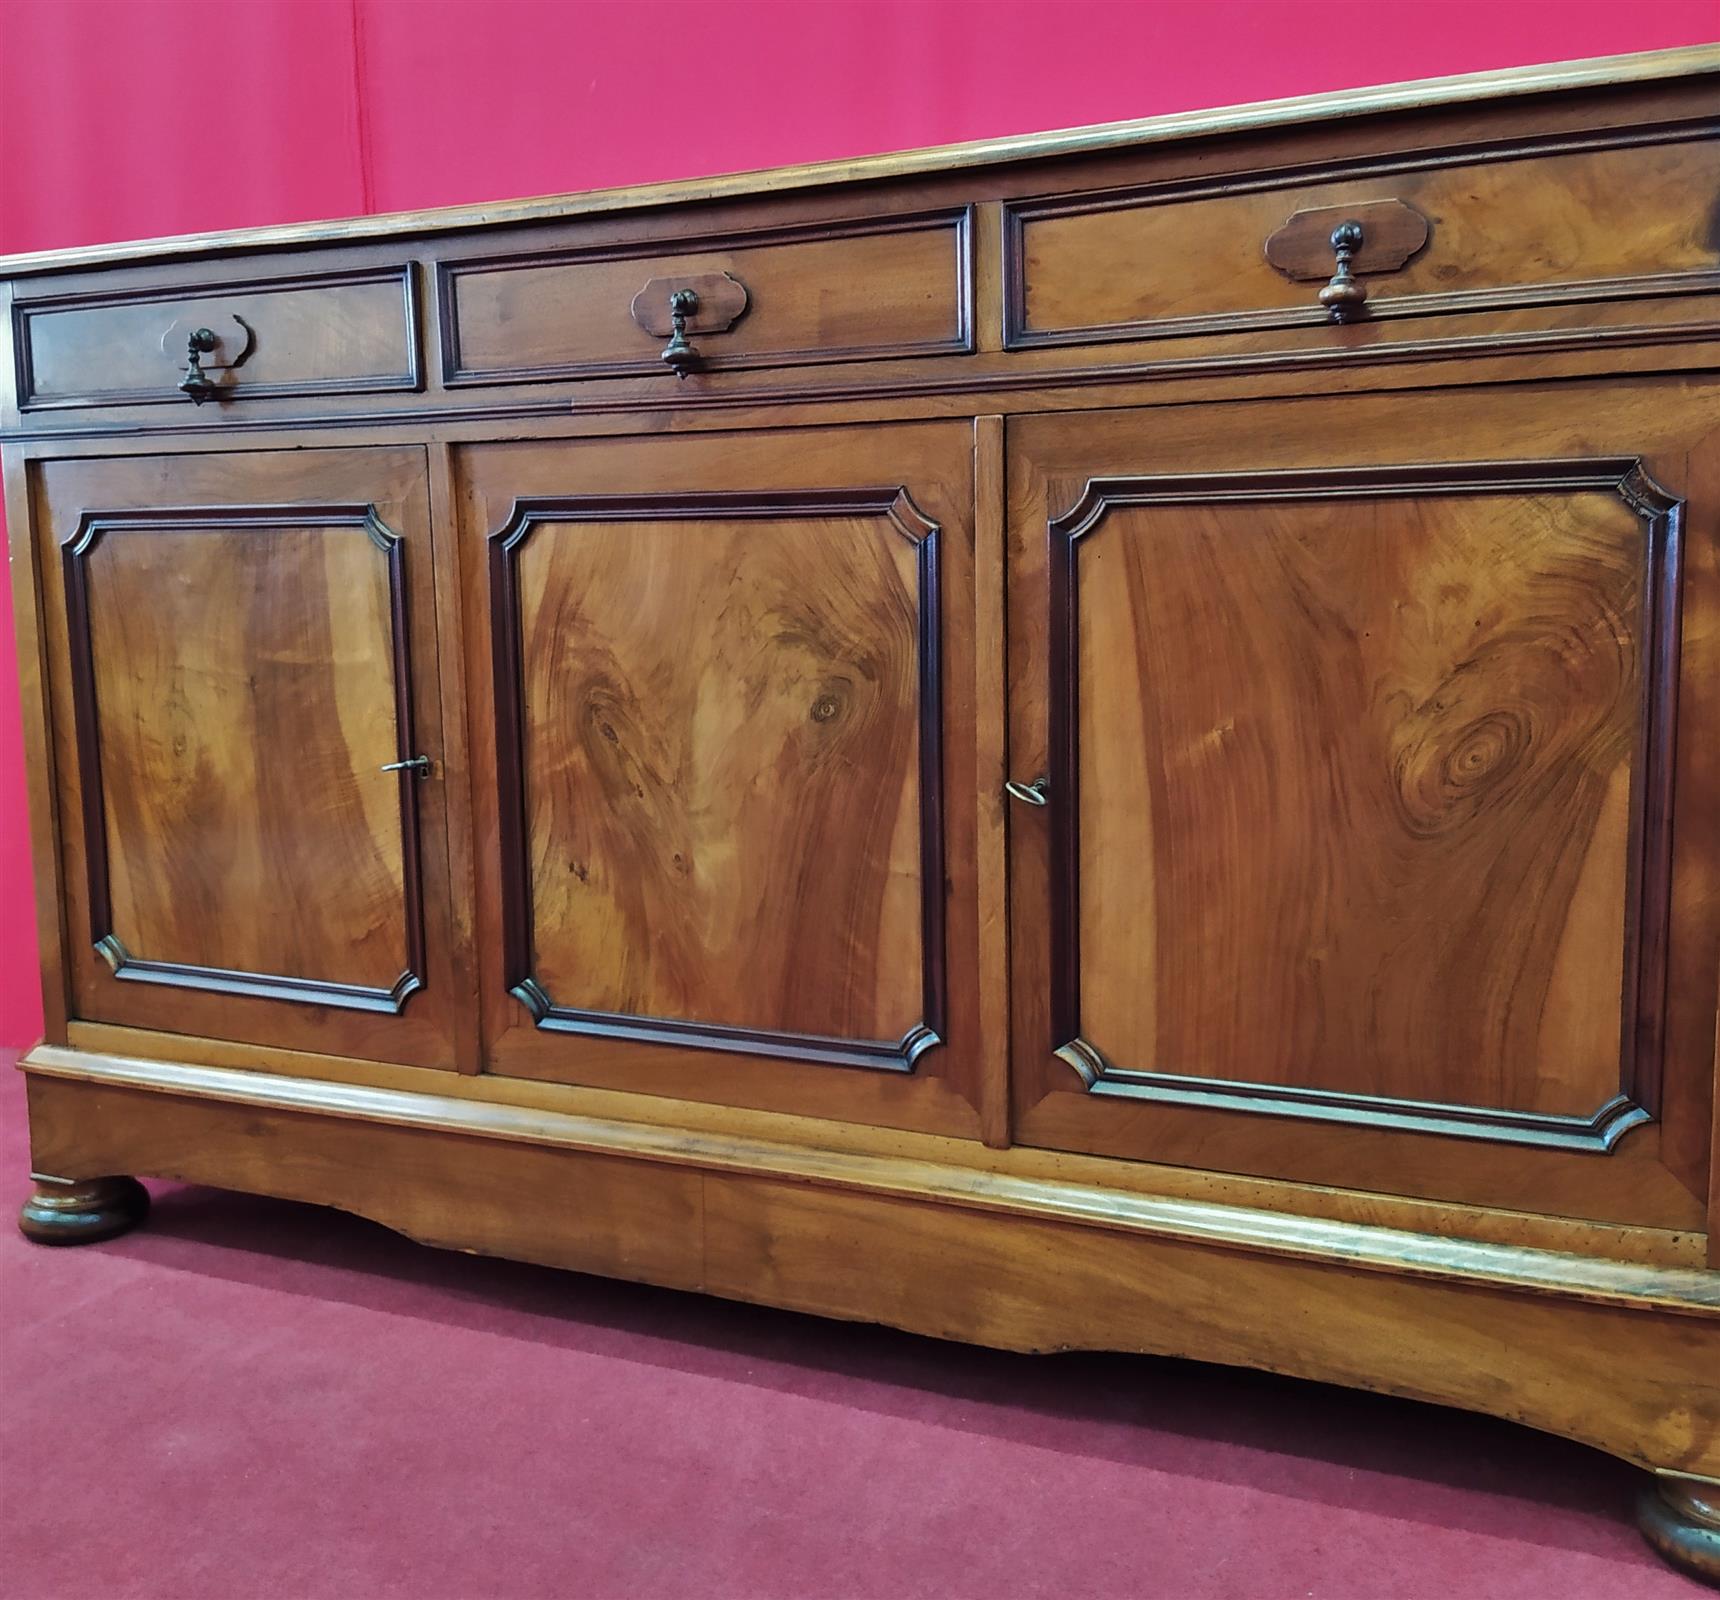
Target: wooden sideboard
[1105, 740]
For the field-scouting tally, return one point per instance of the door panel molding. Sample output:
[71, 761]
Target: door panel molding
[1649, 866]
[126, 965]
[895, 508]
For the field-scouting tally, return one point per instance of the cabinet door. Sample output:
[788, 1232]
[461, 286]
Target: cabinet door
[727, 681]
[1381, 811]
[241, 648]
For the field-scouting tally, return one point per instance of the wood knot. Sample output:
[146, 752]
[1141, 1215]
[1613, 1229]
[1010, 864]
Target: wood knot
[1444, 776]
[1487, 749]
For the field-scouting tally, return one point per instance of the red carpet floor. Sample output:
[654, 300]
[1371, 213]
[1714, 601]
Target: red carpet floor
[251, 1400]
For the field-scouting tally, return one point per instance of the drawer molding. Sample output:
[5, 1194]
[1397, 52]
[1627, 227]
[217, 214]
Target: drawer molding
[900, 518]
[662, 254]
[1649, 850]
[1019, 214]
[409, 379]
[1383, 354]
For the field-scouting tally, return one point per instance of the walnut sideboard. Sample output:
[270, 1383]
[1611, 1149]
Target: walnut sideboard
[1103, 740]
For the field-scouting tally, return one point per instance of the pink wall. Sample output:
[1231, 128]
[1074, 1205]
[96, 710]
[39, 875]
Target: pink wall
[126, 118]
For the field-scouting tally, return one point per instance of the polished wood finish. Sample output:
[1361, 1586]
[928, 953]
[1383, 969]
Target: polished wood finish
[236, 658]
[1245, 665]
[1496, 220]
[765, 644]
[754, 680]
[211, 652]
[1391, 234]
[1050, 793]
[839, 293]
[725, 1218]
[1254, 686]
[318, 334]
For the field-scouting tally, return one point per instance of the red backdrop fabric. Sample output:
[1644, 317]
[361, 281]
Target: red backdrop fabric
[130, 118]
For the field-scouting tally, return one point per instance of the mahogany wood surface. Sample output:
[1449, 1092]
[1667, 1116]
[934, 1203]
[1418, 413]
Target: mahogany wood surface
[1336, 994]
[1640, 319]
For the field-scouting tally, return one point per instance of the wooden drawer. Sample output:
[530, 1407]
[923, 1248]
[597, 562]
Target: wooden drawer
[853, 291]
[1615, 218]
[323, 333]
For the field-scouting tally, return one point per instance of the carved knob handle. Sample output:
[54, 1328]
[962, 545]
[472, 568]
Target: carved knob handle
[1344, 295]
[680, 357]
[194, 382]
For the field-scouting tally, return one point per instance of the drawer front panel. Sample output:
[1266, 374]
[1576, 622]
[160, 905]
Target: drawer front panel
[321, 334]
[840, 292]
[1524, 229]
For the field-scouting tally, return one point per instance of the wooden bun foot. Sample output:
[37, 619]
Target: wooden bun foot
[81, 1212]
[1680, 1517]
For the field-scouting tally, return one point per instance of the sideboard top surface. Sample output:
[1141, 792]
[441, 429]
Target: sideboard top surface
[1263, 116]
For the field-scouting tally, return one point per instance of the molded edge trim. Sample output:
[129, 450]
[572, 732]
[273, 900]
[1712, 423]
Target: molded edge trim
[1647, 66]
[1683, 1290]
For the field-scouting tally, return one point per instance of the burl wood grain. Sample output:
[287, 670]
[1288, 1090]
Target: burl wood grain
[721, 736]
[245, 699]
[1355, 792]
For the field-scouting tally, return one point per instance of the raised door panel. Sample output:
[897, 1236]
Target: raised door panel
[1357, 861]
[238, 684]
[725, 733]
